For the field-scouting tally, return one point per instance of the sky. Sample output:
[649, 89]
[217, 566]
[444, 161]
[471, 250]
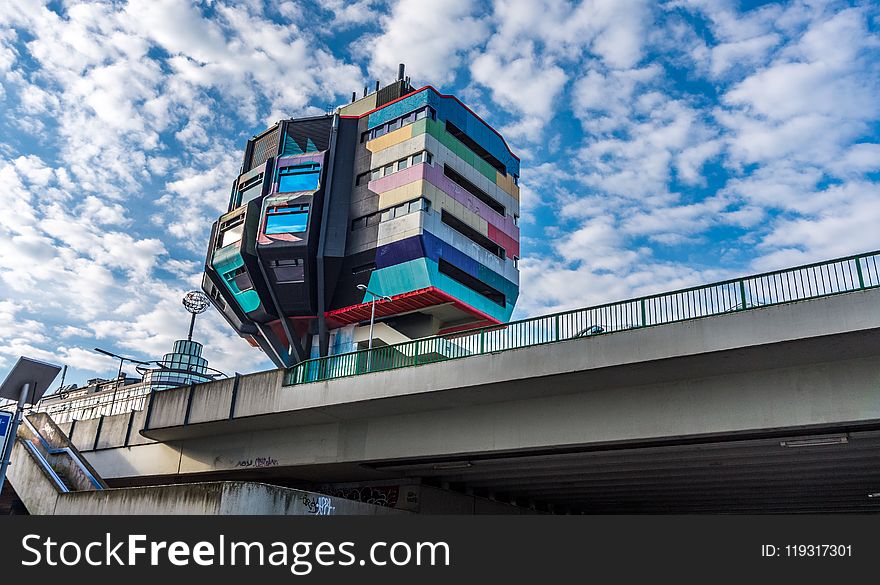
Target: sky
[663, 144]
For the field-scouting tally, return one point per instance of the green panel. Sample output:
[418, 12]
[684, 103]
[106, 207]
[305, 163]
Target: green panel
[438, 131]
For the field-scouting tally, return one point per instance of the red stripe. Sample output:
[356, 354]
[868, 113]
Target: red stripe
[402, 303]
[510, 245]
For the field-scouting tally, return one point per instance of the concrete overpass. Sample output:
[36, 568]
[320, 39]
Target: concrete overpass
[775, 408]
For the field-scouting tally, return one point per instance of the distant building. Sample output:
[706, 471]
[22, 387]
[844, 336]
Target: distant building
[100, 397]
[405, 191]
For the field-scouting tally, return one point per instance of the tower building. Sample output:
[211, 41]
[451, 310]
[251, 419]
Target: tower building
[404, 191]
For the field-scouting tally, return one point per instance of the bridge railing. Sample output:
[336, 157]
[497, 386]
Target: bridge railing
[808, 281]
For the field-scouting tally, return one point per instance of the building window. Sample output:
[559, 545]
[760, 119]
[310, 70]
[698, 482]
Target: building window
[476, 148]
[249, 190]
[241, 278]
[473, 189]
[424, 112]
[288, 271]
[471, 234]
[299, 178]
[398, 165]
[476, 285]
[420, 204]
[231, 233]
[285, 220]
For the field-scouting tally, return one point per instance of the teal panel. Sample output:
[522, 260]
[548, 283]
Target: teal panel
[226, 260]
[291, 148]
[423, 273]
[399, 279]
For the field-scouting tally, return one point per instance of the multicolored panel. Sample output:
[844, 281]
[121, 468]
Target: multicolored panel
[449, 108]
[437, 130]
[429, 181]
[462, 242]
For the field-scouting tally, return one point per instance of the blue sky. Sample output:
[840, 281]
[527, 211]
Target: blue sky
[662, 144]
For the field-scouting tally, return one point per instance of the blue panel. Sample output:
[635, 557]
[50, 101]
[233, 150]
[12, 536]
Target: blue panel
[450, 109]
[285, 223]
[299, 178]
[430, 246]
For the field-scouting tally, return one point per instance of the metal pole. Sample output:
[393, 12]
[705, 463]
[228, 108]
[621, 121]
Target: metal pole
[10, 439]
[370, 342]
[192, 324]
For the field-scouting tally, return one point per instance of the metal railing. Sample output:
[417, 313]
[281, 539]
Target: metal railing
[96, 405]
[809, 281]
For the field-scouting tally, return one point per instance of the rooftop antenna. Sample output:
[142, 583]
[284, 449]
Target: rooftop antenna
[196, 302]
[377, 85]
[400, 69]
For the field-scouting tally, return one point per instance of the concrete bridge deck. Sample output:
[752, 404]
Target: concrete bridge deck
[688, 416]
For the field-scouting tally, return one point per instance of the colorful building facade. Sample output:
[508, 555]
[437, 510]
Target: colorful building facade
[405, 191]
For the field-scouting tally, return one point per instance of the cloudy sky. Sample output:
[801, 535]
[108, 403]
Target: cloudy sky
[662, 144]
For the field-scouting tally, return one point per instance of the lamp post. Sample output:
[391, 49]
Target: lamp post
[122, 360]
[26, 382]
[195, 302]
[364, 288]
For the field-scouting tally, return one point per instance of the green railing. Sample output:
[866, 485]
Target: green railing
[770, 288]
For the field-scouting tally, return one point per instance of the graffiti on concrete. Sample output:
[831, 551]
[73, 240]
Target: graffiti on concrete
[377, 495]
[258, 462]
[319, 506]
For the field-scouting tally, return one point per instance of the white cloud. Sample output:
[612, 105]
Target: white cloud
[429, 36]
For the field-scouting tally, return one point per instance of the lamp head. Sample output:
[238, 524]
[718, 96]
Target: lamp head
[196, 302]
[362, 287]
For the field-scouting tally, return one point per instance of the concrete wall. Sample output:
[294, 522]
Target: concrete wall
[224, 498]
[31, 483]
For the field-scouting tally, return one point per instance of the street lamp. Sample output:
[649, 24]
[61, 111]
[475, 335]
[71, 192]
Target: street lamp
[195, 302]
[122, 360]
[27, 381]
[364, 288]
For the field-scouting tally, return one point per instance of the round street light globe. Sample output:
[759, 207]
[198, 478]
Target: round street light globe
[195, 302]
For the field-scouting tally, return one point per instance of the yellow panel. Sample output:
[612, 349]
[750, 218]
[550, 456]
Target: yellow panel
[403, 193]
[390, 139]
[507, 185]
[362, 106]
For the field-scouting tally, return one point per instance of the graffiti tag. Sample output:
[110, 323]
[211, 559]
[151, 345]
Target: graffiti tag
[258, 462]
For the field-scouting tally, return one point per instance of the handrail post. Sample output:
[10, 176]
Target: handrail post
[482, 341]
[859, 272]
[644, 313]
[742, 293]
[557, 327]
[416, 353]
